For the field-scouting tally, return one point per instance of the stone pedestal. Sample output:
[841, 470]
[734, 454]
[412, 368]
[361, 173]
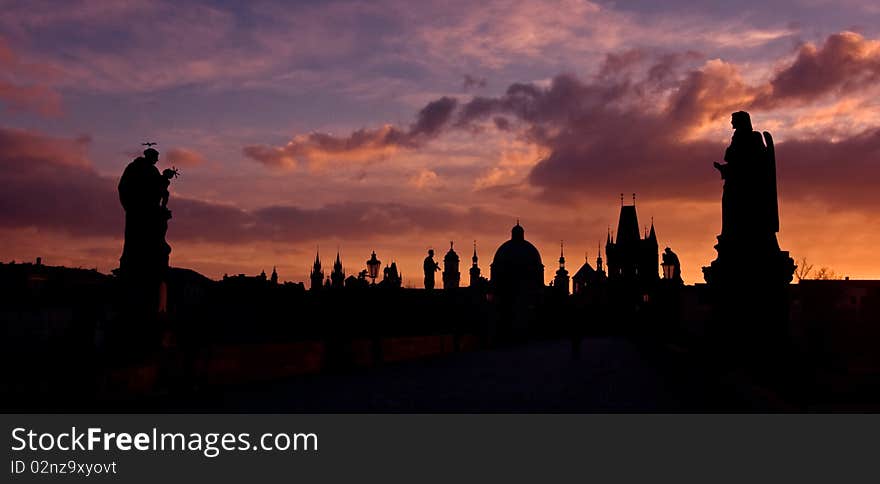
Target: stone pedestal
[749, 290]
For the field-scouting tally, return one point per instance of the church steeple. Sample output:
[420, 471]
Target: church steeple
[475, 269]
[560, 282]
[337, 277]
[317, 275]
[561, 255]
[451, 274]
[274, 277]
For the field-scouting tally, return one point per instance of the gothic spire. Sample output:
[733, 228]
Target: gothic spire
[561, 254]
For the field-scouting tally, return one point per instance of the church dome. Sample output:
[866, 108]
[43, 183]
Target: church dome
[517, 259]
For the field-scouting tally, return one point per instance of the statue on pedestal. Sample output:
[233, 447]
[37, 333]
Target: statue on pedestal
[143, 192]
[748, 250]
[749, 278]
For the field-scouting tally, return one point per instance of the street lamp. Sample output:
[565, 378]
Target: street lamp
[668, 270]
[373, 267]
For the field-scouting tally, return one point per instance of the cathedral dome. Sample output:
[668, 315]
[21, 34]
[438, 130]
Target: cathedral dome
[517, 259]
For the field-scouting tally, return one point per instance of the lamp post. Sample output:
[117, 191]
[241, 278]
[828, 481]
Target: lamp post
[373, 267]
[668, 271]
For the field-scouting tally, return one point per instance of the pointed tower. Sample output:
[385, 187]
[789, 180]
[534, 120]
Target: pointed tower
[624, 253]
[451, 274]
[475, 269]
[633, 258]
[560, 282]
[317, 275]
[650, 257]
[274, 278]
[337, 277]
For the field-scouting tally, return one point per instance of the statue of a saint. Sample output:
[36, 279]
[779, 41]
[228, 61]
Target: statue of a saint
[749, 209]
[143, 192]
[430, 267]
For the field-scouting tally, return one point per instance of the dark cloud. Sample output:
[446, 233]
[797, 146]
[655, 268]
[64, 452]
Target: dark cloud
[361, 145]
[845, 61]
[50, 185]
[635, 125]
[432, 118]
[616, 63]
[841, 174]
[48, 182]
[632, 127]
[201, 221]
[471, 82]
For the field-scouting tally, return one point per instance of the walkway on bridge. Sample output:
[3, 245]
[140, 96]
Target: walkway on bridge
[611, 375]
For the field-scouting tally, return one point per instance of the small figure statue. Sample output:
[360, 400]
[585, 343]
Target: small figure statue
[168, 174]
[430, 267]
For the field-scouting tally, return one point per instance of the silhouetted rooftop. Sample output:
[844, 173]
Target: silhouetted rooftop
[628, 226]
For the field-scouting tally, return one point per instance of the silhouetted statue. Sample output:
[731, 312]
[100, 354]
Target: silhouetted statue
[748, 279]
[671, 258]
[747, 247]
[430, 267]
[143, 192]
[749, 208]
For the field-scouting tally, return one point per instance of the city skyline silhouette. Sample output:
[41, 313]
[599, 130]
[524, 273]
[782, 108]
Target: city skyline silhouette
[280, 153]
[218, 196]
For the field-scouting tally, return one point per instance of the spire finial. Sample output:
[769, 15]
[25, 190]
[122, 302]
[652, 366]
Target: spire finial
[634, 198]
[621, 199]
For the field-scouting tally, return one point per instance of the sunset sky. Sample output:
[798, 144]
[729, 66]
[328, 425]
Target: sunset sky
[396, 126]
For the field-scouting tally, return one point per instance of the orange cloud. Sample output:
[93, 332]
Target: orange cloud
[184, 157]
[846, 61]
[361, 145]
